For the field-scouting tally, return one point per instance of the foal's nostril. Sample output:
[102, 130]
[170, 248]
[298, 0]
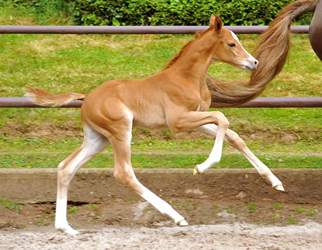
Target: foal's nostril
[255, 62]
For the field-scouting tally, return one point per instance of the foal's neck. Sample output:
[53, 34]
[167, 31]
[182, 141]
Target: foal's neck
[195, 60]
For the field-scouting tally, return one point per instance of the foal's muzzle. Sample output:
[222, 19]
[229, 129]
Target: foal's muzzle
[251, 65]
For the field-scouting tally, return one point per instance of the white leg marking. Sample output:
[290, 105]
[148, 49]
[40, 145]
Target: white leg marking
[61, 217]
[93, 144]
[163, 206]
[262, 169]
[215, 155]
[213, 159]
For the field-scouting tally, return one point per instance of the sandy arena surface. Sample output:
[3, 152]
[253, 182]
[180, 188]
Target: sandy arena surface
[237, 236]
[224, 211]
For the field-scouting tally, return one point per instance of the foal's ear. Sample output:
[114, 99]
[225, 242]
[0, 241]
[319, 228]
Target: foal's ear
[216, 23]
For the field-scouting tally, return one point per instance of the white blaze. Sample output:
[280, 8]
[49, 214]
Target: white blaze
[236, 38]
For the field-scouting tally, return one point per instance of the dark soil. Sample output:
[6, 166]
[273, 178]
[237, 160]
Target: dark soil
[119, 212]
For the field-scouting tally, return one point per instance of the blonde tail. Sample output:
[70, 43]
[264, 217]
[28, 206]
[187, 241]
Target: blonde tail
[43, 98]
[271, 52]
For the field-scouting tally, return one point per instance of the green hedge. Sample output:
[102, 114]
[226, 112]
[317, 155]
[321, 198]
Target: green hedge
[177, 12]
[164, 12]
[62, 7]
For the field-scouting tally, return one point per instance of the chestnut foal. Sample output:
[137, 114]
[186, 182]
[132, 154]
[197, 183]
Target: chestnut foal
[175, 98]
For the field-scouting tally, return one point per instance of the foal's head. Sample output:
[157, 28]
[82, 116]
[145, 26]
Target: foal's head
[229, 49]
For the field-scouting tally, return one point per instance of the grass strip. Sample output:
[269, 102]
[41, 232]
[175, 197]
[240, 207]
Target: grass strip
[157, 160]
[79, 63]
[146, 145]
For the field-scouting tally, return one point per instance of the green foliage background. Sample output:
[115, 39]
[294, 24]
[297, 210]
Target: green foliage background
[40, 138]
[159, 12]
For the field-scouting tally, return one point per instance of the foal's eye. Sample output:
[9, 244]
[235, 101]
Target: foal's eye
[231, 45]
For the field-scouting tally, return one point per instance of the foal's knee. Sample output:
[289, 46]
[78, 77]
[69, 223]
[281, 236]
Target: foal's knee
[221, 119]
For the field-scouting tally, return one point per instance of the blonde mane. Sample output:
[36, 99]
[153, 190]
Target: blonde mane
[198, 34]
[175, 57]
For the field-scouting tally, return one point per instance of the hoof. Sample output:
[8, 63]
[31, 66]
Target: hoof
[67, 230]
[182, 223]
[279, 188]
[196, 171]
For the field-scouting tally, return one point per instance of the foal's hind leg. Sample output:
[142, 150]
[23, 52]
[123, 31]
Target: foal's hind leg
[93, 144]
[235, 141]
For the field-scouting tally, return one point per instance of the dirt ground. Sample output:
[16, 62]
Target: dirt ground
[225, 209]
[226, 237]
[120, 224]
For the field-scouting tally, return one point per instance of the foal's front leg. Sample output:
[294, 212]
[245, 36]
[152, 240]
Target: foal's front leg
[192, 120]
[235, 141]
